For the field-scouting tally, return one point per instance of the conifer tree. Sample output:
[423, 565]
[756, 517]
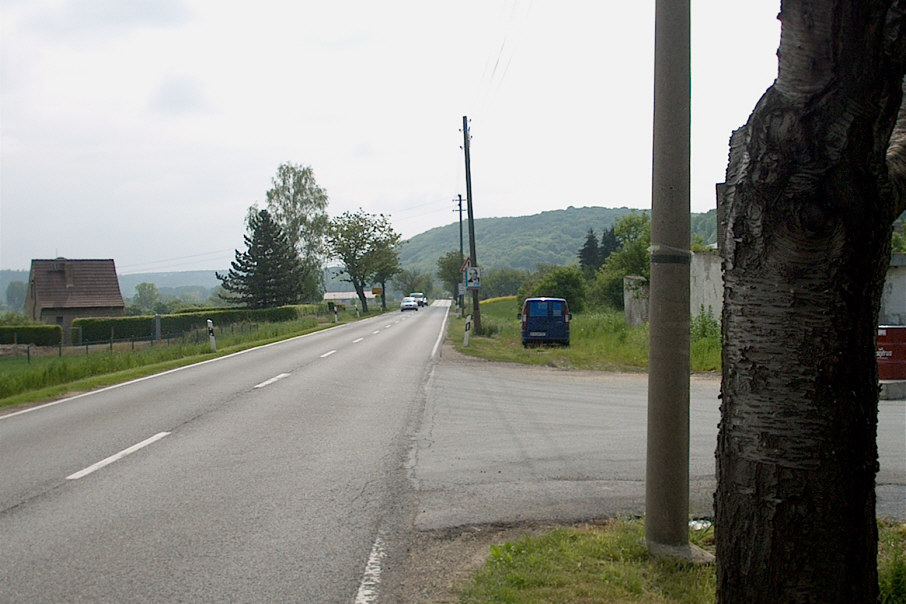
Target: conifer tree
[609, 244]
[589, 256]
[269, 273]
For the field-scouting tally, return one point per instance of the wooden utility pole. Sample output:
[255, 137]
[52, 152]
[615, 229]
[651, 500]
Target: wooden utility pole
[462, 257]
[476, 310]
[667, 462]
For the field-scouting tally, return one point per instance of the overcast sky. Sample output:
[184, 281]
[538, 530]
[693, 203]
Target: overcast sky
[142, 130]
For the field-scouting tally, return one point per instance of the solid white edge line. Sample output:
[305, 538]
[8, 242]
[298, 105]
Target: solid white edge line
[443, 332]
[368, 588]
[116, 457]
[327, 354]
[169, 371]
[272, 380]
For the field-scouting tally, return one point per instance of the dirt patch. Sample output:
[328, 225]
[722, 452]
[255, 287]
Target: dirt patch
[440, 563]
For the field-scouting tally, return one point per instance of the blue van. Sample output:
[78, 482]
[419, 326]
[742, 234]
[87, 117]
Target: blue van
[545, 320]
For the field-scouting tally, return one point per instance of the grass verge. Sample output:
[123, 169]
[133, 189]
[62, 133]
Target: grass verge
[599, 340]
[610, 563]
[48, 378]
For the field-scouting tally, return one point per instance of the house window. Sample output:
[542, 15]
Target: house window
[59, 320]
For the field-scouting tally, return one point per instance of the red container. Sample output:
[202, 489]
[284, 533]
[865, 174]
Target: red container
[891, 351]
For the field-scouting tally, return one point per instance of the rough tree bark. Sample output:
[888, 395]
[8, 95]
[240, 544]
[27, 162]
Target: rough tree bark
[813, 186]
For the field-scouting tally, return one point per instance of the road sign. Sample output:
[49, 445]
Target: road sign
[466, 265]
[473, 278]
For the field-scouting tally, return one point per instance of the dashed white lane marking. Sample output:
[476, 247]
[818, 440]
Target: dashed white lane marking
[118, 456]
[327, 354]
[368, 589]
[388, 326]
[272, 380]
[357, 340]
[376, 332]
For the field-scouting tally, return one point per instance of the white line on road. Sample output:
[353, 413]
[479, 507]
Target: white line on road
[272, 380]
[327, 354]
[368, 589]
[376, 332]
[440, 336]
[357, 340]
[118, 456]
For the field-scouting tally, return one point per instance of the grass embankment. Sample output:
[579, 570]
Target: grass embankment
[610, 563]
[47, 377]
[599, 340]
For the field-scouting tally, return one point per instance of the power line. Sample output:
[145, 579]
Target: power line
[179, 259]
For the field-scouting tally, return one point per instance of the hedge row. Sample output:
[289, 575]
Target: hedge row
[38, 335]
[123, 328]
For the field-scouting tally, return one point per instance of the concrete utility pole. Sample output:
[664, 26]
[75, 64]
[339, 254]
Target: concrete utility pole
[667, 470]
[476, 310]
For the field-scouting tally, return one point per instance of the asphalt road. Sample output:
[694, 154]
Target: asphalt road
[276, 475]
[299, 471]
[507, 443]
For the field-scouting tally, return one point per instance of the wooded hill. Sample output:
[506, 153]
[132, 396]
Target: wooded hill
[524, 242]
[519, 242]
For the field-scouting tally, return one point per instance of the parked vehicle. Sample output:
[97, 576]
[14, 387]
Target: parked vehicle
[409, 303]
[421, 298]
[545, 320]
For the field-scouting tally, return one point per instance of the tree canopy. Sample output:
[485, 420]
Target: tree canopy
[366, 245]
[269, 273]
[448, 266]
[299, 206]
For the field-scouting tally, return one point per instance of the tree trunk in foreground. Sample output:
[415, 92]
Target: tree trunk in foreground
[807, 212]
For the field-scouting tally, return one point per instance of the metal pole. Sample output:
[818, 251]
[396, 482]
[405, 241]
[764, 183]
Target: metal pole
[476, 310]
[667, 470]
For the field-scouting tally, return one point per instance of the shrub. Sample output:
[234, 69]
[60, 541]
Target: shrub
[704, 325]
[37, 335]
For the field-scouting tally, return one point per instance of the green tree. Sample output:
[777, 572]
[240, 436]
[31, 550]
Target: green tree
[498, 282]
[589, 255]
[633, 232]
[16, 292]
[609, 244]
[361, 242]
[146, 295]
[898, 237]
[269, 272]
[558, 282]
[385, 260]
[448, 266]
[412, 280]
[299, 206]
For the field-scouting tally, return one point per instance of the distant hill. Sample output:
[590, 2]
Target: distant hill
[520, 242]
[523, 242]
[170, 283]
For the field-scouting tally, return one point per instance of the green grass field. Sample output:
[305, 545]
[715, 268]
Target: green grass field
[24, 380]
[599, 340]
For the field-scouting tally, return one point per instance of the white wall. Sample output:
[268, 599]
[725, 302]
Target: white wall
[893, 300]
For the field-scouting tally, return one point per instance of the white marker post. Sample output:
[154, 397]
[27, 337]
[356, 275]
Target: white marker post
[211, 335]
[465, 337]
